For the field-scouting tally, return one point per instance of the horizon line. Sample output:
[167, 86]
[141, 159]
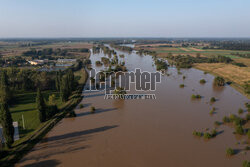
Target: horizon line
[123, 37]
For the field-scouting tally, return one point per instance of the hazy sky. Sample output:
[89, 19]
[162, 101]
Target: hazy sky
[124, 18]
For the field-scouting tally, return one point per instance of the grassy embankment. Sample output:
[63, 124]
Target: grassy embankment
[34, 130]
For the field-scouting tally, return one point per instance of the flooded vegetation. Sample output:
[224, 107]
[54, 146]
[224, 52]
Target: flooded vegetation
[173, 130]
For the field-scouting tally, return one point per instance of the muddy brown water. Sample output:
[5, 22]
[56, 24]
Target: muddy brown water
[146, 133]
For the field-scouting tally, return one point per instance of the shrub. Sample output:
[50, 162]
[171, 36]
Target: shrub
[51, 111]
[230, 151]
[98, 63]
[217, 123]
[3, 153]
[232, 117]
[179, 73]
[81, 106]
[240, 111]
[247, 88]
[52, 99]
[193, 96]
[72, 113]
[182, 85]
[92, 109]
[219, 81]
[202, 81]
[247, 106]
[196, 96]
[184, 77]
[247, 148]
[212, 100]
[246, 163]
[226, 119]
[248, 117]
[238, 121]
[198, 134]
[214, 132]
[248, 134]
[239, 130]
[207, 135]
[161, 65]
[212, 111]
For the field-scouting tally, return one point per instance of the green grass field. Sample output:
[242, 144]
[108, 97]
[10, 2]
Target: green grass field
[25, 105]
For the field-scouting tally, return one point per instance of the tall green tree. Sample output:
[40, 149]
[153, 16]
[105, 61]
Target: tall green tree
[5, 94]
[58, 80]
[41, 107]
[7, 124]
[64, 89]
[71, 80]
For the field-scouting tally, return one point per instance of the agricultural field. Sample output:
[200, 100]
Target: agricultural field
[12, 49]
[237, 75]
[163, 51]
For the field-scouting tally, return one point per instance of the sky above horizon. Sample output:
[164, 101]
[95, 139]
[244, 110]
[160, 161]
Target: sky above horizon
[127, 18]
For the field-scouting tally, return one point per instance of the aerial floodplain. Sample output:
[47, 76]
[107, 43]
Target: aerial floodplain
[124, 84]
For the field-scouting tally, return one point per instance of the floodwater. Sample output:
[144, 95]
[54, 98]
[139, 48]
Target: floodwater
[146, 133]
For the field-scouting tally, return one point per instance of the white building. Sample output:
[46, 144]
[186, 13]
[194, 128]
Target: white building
[37, 62]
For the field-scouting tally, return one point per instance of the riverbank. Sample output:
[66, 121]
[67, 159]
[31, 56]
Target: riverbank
[25, 144]
[229, 72]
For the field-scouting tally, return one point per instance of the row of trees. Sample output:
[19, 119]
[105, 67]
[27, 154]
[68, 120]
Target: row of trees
[122, 47]
[182, 61]
[5, 115]
[30, 80]
[12, 61]
[64, 82]
[67, 85]
[49, 53]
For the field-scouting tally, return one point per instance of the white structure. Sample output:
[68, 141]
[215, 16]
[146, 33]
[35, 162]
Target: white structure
[66, 60]
[16, 132]
[36, 62]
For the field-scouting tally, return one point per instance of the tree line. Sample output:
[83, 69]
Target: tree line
[182, 61]
[48, 53]
[13, 80]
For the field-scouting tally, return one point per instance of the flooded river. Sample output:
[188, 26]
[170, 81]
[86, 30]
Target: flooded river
[146, 133]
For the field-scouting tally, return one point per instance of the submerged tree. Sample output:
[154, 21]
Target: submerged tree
[7, 124]
[219, 81]
[41, 107]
